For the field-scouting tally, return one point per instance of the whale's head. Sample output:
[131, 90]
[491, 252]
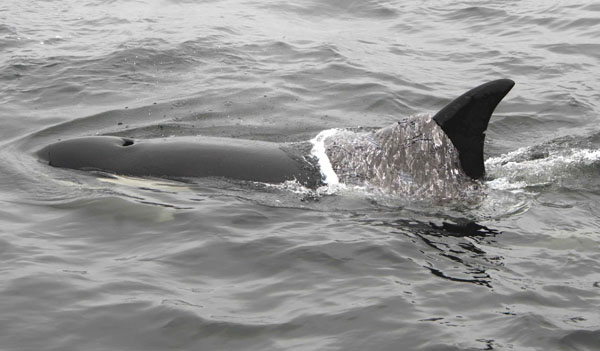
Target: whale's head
[87, 153]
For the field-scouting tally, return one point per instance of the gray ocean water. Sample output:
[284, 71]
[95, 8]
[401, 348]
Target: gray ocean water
[94, 262]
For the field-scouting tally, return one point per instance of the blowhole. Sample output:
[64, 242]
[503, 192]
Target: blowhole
[127, 142]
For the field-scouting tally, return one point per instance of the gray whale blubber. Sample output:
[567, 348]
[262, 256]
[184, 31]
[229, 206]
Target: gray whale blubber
[464, 121]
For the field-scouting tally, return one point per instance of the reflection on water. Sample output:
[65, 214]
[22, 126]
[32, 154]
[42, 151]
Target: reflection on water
[455, 241]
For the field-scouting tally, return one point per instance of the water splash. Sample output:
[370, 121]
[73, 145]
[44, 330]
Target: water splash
[412, 158]
[535, 166]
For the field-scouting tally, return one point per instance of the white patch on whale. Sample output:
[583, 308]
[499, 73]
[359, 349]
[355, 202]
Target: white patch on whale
[329, 176]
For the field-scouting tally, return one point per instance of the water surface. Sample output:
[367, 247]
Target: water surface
[97, 262]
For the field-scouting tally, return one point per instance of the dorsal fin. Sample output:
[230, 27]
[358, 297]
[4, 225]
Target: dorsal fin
[465, 119]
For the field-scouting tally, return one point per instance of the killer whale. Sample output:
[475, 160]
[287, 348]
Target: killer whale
[463, 121]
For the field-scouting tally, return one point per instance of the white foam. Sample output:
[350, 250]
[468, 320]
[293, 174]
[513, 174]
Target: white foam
[568, 157]
[502, 159]
[513, 170]
[318, 151]
[505, 184]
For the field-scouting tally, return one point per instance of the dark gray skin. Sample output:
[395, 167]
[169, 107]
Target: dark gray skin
[181, 157]
[464, 121]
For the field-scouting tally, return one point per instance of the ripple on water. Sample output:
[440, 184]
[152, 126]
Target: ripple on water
[90, 261]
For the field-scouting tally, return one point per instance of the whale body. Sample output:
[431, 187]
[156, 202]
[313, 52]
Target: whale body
[447, 148]
[182, 157]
